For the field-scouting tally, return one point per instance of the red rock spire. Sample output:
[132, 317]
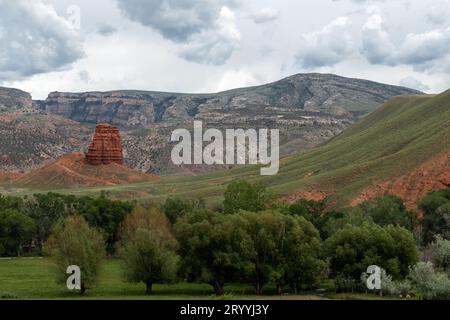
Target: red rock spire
[106, 146]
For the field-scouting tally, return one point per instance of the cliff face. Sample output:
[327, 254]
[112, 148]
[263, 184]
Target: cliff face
[14, 99]
[316, 93]
[106, 146]
[308, 109]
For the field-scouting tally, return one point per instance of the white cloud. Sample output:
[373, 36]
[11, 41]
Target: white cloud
[235, 79]
[328, 46]
[375, 41]
[413, 83]
[438, 13]
[175, 19]
[35, 40]
[214, 46]
[420, 50]
[265, 15]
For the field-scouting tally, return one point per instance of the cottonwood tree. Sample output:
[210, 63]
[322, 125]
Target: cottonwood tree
[282, 249]
[148, 248]
[74, 242]
[16, 229]
[352, 249]
[211, 247]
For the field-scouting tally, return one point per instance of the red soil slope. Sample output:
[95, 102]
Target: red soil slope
[72, 170]
[431, 175]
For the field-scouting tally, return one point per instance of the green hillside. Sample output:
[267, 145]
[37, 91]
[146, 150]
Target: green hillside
[399, 136]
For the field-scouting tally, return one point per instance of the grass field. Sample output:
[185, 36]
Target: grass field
[34, 278]
[399, 136]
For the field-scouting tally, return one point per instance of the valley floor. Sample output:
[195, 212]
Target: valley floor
[33, 278]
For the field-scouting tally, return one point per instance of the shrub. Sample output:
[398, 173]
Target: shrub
[428, 283]
[174, 208]
[440, 249]
[436, 215]
[243, 195]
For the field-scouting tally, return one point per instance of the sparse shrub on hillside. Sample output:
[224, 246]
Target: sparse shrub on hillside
[148, 248]
[354, 248]
[16, 230]
[244, 195]
[436, 215]
[74, 242]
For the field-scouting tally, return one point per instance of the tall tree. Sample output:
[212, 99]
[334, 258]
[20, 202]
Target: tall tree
[211, 247]
[16, 229]
[148, 248]
[74, 242]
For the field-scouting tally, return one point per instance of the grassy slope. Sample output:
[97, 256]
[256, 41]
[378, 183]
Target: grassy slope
[396, 138]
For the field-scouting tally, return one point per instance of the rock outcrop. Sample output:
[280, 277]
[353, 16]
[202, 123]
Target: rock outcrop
[106, 146]
[14, 99]
[329, 95]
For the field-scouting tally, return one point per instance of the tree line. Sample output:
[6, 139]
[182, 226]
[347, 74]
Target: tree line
[248, 239]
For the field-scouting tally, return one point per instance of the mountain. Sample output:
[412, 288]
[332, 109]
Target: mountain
[307, 108]
[402, 148]
[13, 99]
[308, 93]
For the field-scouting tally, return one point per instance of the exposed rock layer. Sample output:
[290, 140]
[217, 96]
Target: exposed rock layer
[327, 94]
[106, 146]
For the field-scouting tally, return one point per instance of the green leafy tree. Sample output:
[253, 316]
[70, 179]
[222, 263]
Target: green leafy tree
[281, 249]
[388, 210]
[176, 207]
[436, 215]
[354, 248]
[74, 242]
[16, 229]
[46, 210]
[302, 263]
[243, 195]
[315, 212]
[148, 248]
[104, 214]
[211, 247]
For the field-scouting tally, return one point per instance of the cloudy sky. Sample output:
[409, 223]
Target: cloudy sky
[213, 45]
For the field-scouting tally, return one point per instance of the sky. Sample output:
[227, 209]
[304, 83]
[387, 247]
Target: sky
[201, 46]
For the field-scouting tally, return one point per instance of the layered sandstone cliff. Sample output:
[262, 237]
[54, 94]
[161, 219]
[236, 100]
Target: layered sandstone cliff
[106, 146]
